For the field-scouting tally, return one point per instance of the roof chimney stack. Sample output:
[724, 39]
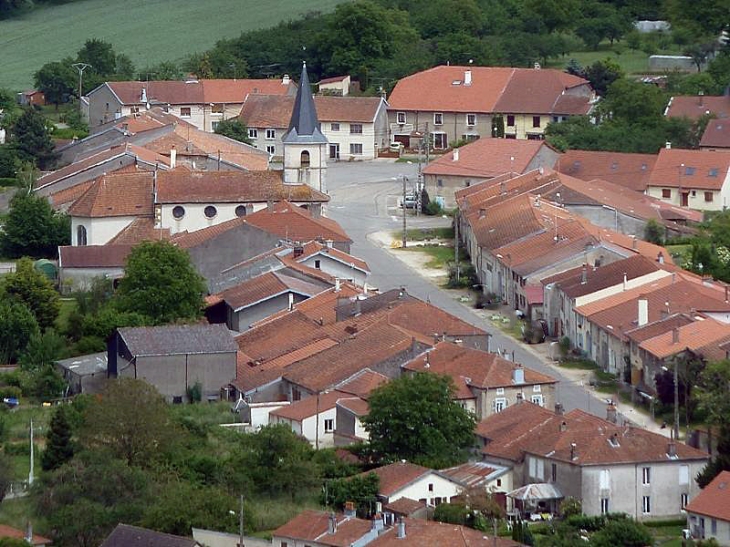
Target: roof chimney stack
[173, 157]
[660, 258]
[143, 97]
[611, 413]
[482, 213]
[559, 409]
[668, 145]
[400, 529]
[455, 156]
[467, 77]
[643, 317]
[675, 335]
[584, 275]
[350, 509]
[332, 524]
[563, 426]
[672, 449]
[701, 97]
[573, 451]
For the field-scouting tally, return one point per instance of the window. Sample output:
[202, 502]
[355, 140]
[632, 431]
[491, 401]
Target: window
[510, 120]
[471, 120]
[134, 110]
[329, 425]
[499, 482]
[683, 499]
[440, 183]
[500, 391]
[284, 544]
[214, 125]
[467, 183]
[217, 108]
[253, 133]
[210, 211]
[270, 134]
[605, 479]
[689, 170]
[684, 474]
[500, 404]
[356, 129]
[646, 505]
[604, 506]
[81, 236]
[400, 117]
[709, 196]
[304, 159]
[317, 264]
[438, 118]
[439, 141]
[178, 212]
[241, 211]
[536, 388]
[356, 149]
[646, 475]
[177, 400]
[334, 127]
[666, 193]
[713, 172]
[713, 527]
[430, 487]
[185, 112]
[536, 121]
[554, 472]
[271, 149]
[536, 400]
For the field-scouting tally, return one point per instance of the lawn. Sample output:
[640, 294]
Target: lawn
[422, 234]
[441, 255]
[632, 61]
[148, 31]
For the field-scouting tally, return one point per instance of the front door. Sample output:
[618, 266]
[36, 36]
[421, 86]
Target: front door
[685, 199]
[334, 151]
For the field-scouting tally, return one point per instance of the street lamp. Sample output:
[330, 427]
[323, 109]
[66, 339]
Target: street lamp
[676, 399]
[81, 67]
[240, 521]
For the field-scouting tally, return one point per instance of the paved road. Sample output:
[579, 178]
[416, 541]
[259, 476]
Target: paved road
[361, 195]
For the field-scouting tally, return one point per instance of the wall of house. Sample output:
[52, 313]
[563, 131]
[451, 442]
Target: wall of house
[261, 142]
[99, 231]
[103, 107]
[442, 188]
[453, 128]
[241, 321]
[428, 487]
[336, 268]
[194, 218]
[81, 279]
[92, 173]
[316, 174]
[626, 490]
[523, 127]
[172, 375]
[309, 428]
[607, 218]
[696, 197]
[487, 399]
[702, 528]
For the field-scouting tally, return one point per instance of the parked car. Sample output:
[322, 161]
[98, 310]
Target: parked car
[411, 201]
[395, 147]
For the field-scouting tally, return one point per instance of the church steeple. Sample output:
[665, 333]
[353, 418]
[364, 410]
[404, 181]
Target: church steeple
[305, 147]
[304, 125]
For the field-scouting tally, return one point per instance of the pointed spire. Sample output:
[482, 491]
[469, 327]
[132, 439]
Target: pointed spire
[304, 125]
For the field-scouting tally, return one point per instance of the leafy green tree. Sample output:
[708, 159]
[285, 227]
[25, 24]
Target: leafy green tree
[711, 393]
[57, 80]
[103, 323]
[551, 15]
[362, 490]
[654, 232]
[17, 326]
[160, 283]
[35, 290]
[453, 513]
[601, 74]
[235, 129]
[626, 532]
[498, 126]
[634, 103]
[415, 418]
[166, 70]
[8, 161]
[32, 140]
[6, 474]
[59, 448]
[131, 420]
[38, 374]
[100, 55]
[437, 19]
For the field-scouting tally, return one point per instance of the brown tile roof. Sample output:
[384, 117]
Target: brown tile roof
[571, 282]
[691, 336]
[655, 328]
[528, 428]
[306, 408]
[297, 224]
[8, 532]
[93, 256]
[478, 369]
[314, 248]
[356, 405]
[532, 91]
[125, 535]
[717, 134]
[714, 499]
[716, 350]
[154, 118]
[320, 307]
[490, 192]
[404, 506]
[418, 317]
[396, 476]
[703, 169]
[428, 533]
[268, 111]
[266, 286]
[230, 150]
[183, 186]
[363, 383]
[694, 107]
[628, 243]
[196, 92]
[65, 198]
[117, 195]
[141, 229]
[513, 219]
[628, 170]
[313, 526]
[486, 158]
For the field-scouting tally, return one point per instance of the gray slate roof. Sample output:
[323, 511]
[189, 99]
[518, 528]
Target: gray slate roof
[85, 365]
[304, 124]
[177, 340]
[131, 536]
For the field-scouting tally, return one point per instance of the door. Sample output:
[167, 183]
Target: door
[685, 199]
[334, 151]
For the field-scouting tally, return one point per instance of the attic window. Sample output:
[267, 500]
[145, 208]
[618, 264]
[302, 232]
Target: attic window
[713, 172]
[614, 166]
[456, 82]
[689, 170]
[613, 440]
[643, 167]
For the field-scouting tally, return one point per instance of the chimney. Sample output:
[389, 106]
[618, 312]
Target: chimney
[626, 280]
[337, 284]
[329, 243]
[350, 511]
[270, 205]
[358, 306]
[291, 301]
[660, 258]
[400, 529]
[573, 451]
[467, 77]
[482, 213]
[502, 187]
[634, 243]
[298, 251]
[518, 375]
[611, 413]
[584, 275]
[143, 97]
[672, 449]
[675, 335]
[559, 409]
[332, 526]
[536, 66]
[701, 98]
[173, 157]
[427, 364]
[668, 145]
[563, 426]
[456, 155]
[643, 317]
[285, 80]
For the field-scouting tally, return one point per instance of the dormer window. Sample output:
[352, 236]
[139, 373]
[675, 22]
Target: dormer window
[689, 171]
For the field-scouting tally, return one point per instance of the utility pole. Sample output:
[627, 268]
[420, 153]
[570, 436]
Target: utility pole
[676, 401]
[81, 67]
[32, 462]
[316, 424]
[240, 523]
[456, 247]
[405, 179]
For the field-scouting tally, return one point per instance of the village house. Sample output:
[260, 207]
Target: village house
[338, 86]
[203, 103]
[708, 514]
[495, 479]
[452, 103]
[485, 382]
[356, 127]
[624, 169]
[717, 132]
[483, 160]
[716, 135]
[78, 267]
[125, 535]
[608, 467]
[176, 358]
[408, 480]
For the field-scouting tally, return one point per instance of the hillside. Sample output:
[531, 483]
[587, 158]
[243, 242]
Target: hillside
[148, 31]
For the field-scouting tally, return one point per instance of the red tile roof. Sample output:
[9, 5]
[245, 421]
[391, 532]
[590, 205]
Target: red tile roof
[532, 91]
[690, 169]
[404, 506]
[717, 134]
[265, 287]
[363, 383]
[428, 533]
[691, 336]
[275, 111]
[714, 499]
[314, 248]
[694, 106]
[313, 526]
[93, 256]
[320, 307]
[297, 224]
[117, 195]
[141, 229]
[655, 328]
[65, 198]
[628, 170]
[396, 476]
[487, 158]
[306, 408]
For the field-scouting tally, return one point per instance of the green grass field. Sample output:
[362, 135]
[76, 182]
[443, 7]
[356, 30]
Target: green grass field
[632, 61]
[148, 31]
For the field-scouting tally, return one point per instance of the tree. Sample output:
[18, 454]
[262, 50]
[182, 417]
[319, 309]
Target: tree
[235, 129]
[17, 326]
[100, 55]
[601, 74]
[654, 232]
[362, 490]
[625, 532]
[551, 15]
[160, 283]
[498, 126]
[415, 418]
[131, 420]
[57, 80]
[6, 474]
[32, 140]
[712, 399]
[8, 161]
[59, 448]
[35, 290]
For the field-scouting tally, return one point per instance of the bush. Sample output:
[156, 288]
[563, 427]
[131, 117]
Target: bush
[8, 181]
[487, 301]
[433, 209]
[10, 391]
[564, 346]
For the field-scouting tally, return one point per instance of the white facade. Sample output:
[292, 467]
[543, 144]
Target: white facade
[703, 527]
[195, 217]
[307, 428]
[431, 487]
[336, 268]
[306, 164]
[98, 231]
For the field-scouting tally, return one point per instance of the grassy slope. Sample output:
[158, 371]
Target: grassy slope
[631, 60]
[148, 31]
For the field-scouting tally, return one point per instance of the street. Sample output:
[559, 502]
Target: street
[361, 195]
